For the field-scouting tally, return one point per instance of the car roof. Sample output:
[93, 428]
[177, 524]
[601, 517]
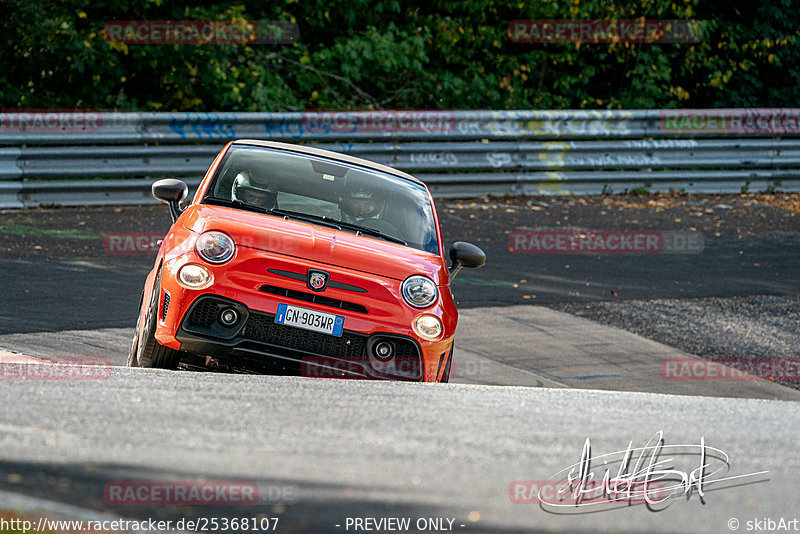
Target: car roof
[302, 149]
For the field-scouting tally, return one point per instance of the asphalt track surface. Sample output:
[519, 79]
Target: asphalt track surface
[331, 450]
[323, 451]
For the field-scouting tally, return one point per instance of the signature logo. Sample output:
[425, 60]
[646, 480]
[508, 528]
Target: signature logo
[317, 280]
[652, 475]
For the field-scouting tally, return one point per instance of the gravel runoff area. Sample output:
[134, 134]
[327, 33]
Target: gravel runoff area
[741, 329]
[733, 330]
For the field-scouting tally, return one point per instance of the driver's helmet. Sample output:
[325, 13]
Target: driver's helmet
[248, 188]
[360, 201]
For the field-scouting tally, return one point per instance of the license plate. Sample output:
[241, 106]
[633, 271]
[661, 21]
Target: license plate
[326, 323]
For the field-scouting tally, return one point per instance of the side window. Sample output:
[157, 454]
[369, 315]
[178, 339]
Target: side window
[224, 185]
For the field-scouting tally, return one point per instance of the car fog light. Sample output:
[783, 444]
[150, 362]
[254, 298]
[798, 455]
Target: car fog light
[228, 317]
[428, 326]
[194, 276]
[383, 350]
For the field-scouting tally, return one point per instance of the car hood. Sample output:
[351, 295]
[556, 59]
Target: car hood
[320, 244]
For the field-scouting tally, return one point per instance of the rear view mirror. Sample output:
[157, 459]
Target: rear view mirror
[171, 192]
[465, 255]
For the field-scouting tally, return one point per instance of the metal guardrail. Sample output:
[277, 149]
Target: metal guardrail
[457, 153]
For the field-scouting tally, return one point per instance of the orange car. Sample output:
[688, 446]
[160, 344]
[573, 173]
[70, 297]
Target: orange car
[294, 260]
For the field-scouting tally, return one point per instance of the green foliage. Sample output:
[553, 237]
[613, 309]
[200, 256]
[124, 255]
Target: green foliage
[398, 54]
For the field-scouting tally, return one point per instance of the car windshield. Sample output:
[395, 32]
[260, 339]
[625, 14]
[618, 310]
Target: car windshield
[325, 192]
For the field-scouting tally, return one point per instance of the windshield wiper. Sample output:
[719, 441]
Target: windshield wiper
[369, 231]
[335, 223]
[235, 204]
[314, 219]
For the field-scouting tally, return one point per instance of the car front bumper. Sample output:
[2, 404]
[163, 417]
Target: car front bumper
[257, 342]
[255, 282]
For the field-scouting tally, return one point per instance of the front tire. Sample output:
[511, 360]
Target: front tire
[133, 353]
[133, 356]
[150, 352]
[446, 374]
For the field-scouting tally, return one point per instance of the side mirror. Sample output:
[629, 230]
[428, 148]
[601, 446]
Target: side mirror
[172, 192]
[465, 255]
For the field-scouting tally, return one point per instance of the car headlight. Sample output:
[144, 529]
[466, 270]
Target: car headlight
[215, 247]
[428, 326]
[419, 291]
[194, 276]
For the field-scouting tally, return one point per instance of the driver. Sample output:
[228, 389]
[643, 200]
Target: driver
[251, 189]
[361, 202]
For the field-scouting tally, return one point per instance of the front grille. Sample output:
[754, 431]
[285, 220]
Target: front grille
[204, 313]
[316, 298]
[262, 327]
[405, 348]
[166, 306]
[259, 334]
